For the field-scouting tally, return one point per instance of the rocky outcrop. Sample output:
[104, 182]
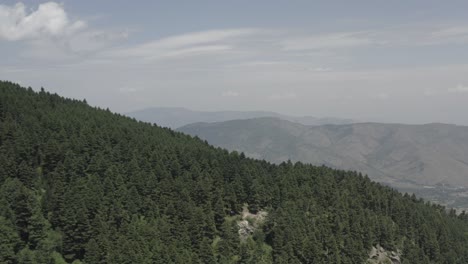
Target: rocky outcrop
[245, 229]
[378, 255]
[250, 222]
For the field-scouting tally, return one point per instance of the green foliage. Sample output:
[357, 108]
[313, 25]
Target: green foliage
[82, 185]
[9, 241]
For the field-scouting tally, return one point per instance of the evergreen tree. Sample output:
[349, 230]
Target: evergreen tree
[81, 184]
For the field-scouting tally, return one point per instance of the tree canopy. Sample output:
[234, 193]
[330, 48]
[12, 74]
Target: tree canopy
[84, 185]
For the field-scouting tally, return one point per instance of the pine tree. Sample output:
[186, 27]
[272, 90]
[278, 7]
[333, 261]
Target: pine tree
[9, 241]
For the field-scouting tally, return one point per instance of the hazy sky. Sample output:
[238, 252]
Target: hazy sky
[388, 61]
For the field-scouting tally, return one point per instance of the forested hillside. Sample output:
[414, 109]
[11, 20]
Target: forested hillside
[430, 160]
[81, 184]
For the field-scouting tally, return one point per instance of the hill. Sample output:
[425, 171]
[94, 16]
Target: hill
[428, 159]
[174, 117]
[83, 185]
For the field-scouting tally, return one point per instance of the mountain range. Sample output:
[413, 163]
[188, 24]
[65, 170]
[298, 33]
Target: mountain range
[429, 158]
[174, 117]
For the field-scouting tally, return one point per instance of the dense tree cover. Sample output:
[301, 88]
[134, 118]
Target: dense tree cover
[81, 184]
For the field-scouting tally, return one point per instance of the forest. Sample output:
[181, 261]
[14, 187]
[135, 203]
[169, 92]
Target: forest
[81, 184]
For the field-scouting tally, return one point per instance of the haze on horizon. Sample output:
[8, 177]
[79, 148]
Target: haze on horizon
[398, 61]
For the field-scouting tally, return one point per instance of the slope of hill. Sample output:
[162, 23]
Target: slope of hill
[405, 156]
[174, 117]
[83, 185]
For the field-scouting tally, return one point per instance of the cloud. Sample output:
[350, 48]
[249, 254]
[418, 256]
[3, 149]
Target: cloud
[202, 37]
[441, 35]
[259, 63]
[321, 69]
[74, 47]
[203, 42]
[50, 35]
[459, 89]
[328, 41]
[198, 50]
[282, 96]
[49, 20]
[260, 41]
[426, 34]
[454, 31]
[93, 40]
[230, 94]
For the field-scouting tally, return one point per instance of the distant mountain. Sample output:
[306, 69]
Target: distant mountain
[175, 117]
[417, 157]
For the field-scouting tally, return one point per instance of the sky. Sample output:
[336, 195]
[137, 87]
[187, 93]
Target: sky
[375, 60]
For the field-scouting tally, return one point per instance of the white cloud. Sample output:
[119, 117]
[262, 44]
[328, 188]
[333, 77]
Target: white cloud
[73, 47]
[202, 37]
[260, 63]
[93, 40]
[451, 32]
[198, 50]
[398, 35]
[459, 89]
[50, 35]
[453, 90]
[328, 41]
[230, 94]
[321, 69]
[203, 42]
[427, 34]
[282, 96]
[50, 19]
[444, 35]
